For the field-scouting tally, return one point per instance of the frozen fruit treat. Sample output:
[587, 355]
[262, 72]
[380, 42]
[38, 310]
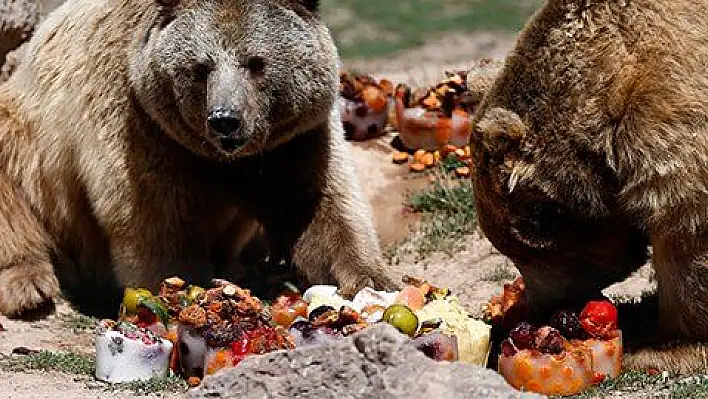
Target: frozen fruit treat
[126, 352]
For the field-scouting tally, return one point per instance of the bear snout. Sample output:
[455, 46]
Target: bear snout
[224, 121]
[226, 125]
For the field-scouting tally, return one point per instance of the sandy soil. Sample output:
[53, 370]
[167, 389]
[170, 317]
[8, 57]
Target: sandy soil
[385, 184]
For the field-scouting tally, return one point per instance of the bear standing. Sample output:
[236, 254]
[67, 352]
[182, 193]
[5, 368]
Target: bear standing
[141, 139]
[592, 145]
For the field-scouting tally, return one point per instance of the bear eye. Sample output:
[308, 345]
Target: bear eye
[311, 5]
[202, 69]
[256, 65]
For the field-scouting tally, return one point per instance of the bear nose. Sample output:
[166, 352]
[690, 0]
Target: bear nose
[224, 121]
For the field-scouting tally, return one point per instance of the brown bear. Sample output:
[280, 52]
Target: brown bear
[141, 139]
[591, 146]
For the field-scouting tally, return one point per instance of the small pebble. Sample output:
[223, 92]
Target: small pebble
[21, 350]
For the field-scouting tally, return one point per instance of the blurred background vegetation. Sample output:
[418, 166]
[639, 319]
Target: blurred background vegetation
[374, 28]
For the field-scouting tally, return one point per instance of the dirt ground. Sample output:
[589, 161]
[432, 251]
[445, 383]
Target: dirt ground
[467, 273]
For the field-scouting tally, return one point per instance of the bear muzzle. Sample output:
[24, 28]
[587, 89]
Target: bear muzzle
[227, 127]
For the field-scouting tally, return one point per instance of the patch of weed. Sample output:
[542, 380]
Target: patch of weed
[625, 382]
[71, 363]
[65, 362]
[691, 387]
[501, 273]
[169, 383]
[78, 323]
[448, 215]
[658, 385]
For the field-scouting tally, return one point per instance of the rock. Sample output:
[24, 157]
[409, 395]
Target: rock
[11, 62]
[373, 363]
[18, 19]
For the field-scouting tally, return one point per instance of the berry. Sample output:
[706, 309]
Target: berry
[599, 319]
[598, 378]
[301, 325]
[549, 340]
[568, 323]
[240, 347]
[145, 317]
[523, 336]
[507, 348]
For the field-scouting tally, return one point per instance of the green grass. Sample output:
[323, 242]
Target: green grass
[626, 382]
[171, 383]
[78, 323]
[500, 274]
[64, 362]
[370, 28]
[78, 365]
[448, 215]
[650, 386]
[692, 387]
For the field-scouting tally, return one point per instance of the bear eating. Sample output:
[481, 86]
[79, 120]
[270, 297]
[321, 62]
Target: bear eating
[591, 147]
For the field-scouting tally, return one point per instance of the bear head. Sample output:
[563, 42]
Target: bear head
[232, 78]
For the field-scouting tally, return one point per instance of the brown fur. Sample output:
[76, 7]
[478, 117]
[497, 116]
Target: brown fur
[109, 174]
[593, 144]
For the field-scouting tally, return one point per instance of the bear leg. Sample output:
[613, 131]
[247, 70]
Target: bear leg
[28, 284]
[671, 331]
[318, 217]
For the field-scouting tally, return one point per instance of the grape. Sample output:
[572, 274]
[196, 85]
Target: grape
[305, 334]
[193, 292]
[568, 323]
[401, 317]
[508, 348]
[438, 346]
[523, 335]
[549, 340]
[303, 327]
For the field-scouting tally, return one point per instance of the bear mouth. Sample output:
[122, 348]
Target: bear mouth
[232, 144]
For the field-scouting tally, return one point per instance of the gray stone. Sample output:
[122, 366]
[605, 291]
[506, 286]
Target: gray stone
[378, 362]
[18, 19]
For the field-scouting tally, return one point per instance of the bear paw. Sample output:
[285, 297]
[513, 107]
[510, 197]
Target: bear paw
[27, 291]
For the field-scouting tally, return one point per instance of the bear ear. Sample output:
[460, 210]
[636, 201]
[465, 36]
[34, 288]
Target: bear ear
[500, 131]
[311, 5]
